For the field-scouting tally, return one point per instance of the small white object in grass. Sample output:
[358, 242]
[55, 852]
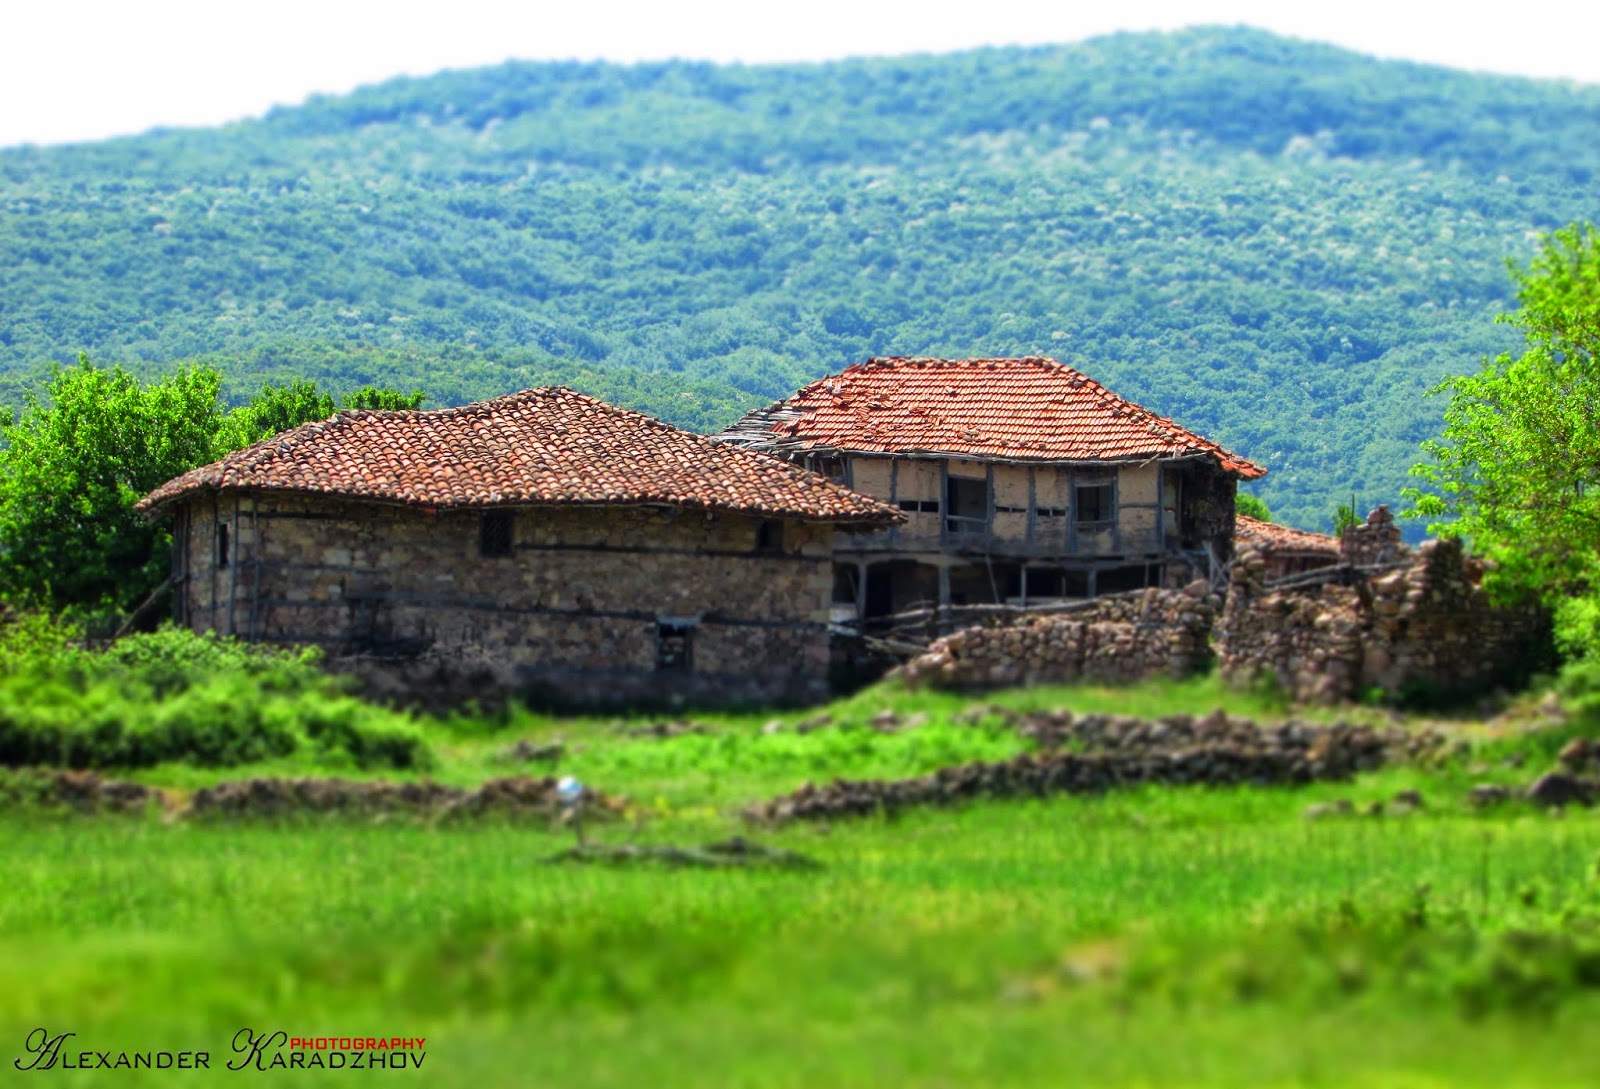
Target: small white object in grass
[568, 789]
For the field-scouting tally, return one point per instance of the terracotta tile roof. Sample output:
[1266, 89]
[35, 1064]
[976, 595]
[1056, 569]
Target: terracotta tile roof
[541, 446]
[1029, 409]
[1281, 539]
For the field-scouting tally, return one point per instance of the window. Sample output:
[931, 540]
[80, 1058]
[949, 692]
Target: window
[494, 533]
[222, 545]
[674, 645]
[1095, 503]
[830, 467]
[769, 536]
[919, 506]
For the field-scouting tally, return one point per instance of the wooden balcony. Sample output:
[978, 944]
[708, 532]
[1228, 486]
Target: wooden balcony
[1023, 539]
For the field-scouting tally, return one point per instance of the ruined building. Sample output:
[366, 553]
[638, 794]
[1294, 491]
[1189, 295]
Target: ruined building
[542, 544]
[1021, 481]
[1285, 550]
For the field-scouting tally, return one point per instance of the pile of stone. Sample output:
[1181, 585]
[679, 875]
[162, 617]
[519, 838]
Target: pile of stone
[1214, 750]
[515, 796]
[1576, 779]
[1129, 734]
[1114, 639]
[1427, 626]
[80, 791]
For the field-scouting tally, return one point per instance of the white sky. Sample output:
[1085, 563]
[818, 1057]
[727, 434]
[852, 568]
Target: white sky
[86, 69]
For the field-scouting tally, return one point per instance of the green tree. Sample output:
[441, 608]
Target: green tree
[277, 409]
[1517, 470]
[1253, 506]
[381, 397]
[1345, 517]
[73, 465]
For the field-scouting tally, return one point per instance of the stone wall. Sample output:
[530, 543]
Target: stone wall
[1375, 541]
[1116, 638]
[405, 597]
[1426, 628]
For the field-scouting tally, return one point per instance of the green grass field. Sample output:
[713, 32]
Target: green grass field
[1152, 937]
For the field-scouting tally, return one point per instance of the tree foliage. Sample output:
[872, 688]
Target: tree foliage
[1346, 516]
[279, 408]
[1252, 506]
[1517, 470]
[71, 469]
[73, 463]
[1278, 244]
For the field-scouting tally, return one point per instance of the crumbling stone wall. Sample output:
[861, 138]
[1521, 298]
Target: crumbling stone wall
[1119, 637]
[1425, 628]
[1373, 542]
[405, 598]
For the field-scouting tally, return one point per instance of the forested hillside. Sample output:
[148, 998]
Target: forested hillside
[1280, 244]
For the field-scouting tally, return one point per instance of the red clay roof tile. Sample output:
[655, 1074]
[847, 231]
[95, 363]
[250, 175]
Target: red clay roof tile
[1275, 538]
[1030, 409]
[538, 447]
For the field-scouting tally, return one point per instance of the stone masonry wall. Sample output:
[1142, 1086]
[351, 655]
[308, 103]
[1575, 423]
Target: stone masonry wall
[1375, 541]
[1119, 637]
[1423, 628]
[404, 597]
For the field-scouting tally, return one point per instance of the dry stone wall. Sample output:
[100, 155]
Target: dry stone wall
[406, 599]
[1119, 637]
[1110, 753]
[1426, 628]
[1373, 542]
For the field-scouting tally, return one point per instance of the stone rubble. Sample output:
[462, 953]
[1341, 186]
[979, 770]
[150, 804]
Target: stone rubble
[1404, 622]
[1114, 751]
[1427, 627]
[1119, 638]
[516, 796]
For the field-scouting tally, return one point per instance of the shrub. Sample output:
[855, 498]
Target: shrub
[176, 696]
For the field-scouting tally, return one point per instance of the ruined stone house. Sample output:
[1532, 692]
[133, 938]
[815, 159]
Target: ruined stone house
[543, 544]
[1285, 550]
[1021, 480]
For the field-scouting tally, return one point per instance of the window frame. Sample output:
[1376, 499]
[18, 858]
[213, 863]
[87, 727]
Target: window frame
[497, 534]
[680, 629]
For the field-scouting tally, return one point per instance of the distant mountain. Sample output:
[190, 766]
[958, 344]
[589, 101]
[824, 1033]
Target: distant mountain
[1280, 244]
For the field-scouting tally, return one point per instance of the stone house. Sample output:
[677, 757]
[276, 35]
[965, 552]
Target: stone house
[543, 544]
[1021, 480]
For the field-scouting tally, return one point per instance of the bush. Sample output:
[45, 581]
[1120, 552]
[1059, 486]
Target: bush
[176, 696]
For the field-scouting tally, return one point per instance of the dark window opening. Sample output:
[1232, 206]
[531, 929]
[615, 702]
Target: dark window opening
[494, 533]
[1050, 512]
[998, 509]
[769, 537]
[674, 646]
[1094, 503]
[832, 468]
[222, 546]
[844, 585]
[1046, 582]
[1120, 579]
[967, 505]
[920, 506]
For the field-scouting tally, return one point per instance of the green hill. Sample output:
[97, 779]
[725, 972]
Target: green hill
[1280, 244]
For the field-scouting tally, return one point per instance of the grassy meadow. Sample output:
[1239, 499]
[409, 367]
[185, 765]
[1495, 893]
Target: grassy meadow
[1176, 936]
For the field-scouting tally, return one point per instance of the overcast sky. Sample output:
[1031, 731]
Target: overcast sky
[85, 69]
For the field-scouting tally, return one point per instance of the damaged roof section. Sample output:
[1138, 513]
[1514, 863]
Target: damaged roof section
[537, 447]
[1282, 540]
[1028, 409]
